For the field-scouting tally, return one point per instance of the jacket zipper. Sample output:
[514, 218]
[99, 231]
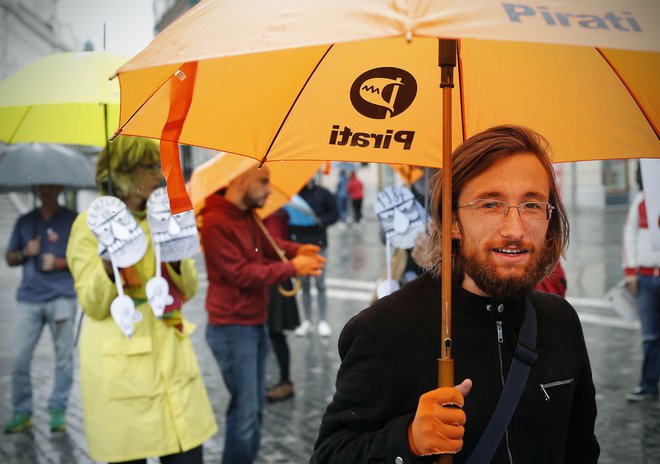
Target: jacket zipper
[500, 340]
[553, 384]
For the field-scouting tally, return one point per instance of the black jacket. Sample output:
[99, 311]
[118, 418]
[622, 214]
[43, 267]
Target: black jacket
[389, 354]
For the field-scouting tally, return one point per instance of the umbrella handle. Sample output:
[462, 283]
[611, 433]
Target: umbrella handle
[290, 293]
[280, 252]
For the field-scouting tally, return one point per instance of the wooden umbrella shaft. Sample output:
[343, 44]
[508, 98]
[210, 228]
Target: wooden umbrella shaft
[447, 62]
[282, 255]
[446, 363]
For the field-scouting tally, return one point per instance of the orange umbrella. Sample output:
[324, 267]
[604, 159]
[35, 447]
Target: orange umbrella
[409, 174]
[286, 179]
[358, 81]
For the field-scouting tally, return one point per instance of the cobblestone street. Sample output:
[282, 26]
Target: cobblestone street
[628, 433]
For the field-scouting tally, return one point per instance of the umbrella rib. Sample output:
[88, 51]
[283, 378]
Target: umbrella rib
[18, 126]
[630, 92]
[293, 104]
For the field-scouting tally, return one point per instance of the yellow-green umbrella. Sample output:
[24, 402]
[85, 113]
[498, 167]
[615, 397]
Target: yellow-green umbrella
[62, 98]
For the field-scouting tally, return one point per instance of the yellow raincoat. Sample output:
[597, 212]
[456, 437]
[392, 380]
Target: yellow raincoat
[143, 396]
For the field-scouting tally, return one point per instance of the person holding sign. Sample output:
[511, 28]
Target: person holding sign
[142, 391]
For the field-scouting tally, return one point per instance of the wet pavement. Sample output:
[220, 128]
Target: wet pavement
[628, 433]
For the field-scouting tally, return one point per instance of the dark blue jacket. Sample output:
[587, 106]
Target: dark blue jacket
[324, 204]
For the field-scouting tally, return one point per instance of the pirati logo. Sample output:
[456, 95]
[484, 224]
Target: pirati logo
[383, 92]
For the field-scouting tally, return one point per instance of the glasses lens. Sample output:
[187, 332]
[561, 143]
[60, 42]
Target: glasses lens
[488, 207]
[534, 210]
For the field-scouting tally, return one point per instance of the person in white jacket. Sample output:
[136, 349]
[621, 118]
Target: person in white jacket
[642, 276]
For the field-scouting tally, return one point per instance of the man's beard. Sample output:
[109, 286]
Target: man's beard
[253, 203]
[504, 287]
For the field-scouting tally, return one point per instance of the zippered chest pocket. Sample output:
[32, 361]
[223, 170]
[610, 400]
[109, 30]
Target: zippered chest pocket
[550, 388]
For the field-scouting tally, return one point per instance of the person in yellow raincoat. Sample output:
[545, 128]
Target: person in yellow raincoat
[142, 396]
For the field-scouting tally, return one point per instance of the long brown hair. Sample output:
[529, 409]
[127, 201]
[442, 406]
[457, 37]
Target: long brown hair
[475, 156]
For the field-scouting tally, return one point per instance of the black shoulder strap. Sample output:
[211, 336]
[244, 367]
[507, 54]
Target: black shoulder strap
[523, 359]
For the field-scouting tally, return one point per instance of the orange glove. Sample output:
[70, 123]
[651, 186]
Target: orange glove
[437, 429]
[308, 265]
[308, 249]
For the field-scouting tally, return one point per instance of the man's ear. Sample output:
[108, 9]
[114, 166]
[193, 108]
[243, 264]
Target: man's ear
[456, 228]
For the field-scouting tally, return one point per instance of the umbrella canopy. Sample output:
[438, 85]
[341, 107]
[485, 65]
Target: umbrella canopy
[286, 179]
[26, 165]
[61, 98]
[341, 81]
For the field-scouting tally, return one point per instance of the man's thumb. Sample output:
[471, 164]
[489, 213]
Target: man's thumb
[464, 387]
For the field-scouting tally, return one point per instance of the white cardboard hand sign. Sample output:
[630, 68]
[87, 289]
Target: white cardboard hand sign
[122, 241]
[176, 234]
[400, 215]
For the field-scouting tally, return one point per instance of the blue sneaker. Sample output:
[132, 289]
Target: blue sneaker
[19, 422]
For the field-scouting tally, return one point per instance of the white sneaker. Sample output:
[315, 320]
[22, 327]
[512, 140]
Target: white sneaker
[324, 329]
[303, 329]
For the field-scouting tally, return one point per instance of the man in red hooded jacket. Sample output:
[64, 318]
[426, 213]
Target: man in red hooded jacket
[241, 263]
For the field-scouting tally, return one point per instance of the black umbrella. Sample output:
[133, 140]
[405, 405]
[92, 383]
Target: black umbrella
[23, 166]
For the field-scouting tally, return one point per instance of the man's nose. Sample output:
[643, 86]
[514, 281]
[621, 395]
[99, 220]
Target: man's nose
[512, 224]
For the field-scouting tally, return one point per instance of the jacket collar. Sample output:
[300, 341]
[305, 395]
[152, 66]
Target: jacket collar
[485, 306]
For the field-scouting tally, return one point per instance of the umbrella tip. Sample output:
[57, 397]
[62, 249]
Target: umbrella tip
[409, 36]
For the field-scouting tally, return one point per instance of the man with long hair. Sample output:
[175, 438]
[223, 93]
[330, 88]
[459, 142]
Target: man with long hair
[509, 229]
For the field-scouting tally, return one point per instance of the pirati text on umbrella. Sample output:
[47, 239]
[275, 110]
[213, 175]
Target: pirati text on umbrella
[589, 21]
[363, 139]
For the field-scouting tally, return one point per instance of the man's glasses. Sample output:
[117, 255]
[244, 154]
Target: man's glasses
[529, 210]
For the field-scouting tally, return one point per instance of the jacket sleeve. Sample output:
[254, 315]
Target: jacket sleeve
[237, 269]
[186, 281]
[290, 248]
[354, 427]
[582, 446]
[630, 237]
[94, 288]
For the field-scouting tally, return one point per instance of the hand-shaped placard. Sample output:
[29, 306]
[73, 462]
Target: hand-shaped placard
[175, 234]
[400, 216]
[122, 241]
[174, 237]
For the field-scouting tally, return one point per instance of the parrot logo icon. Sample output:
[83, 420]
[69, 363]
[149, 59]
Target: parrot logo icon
[382, 93]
